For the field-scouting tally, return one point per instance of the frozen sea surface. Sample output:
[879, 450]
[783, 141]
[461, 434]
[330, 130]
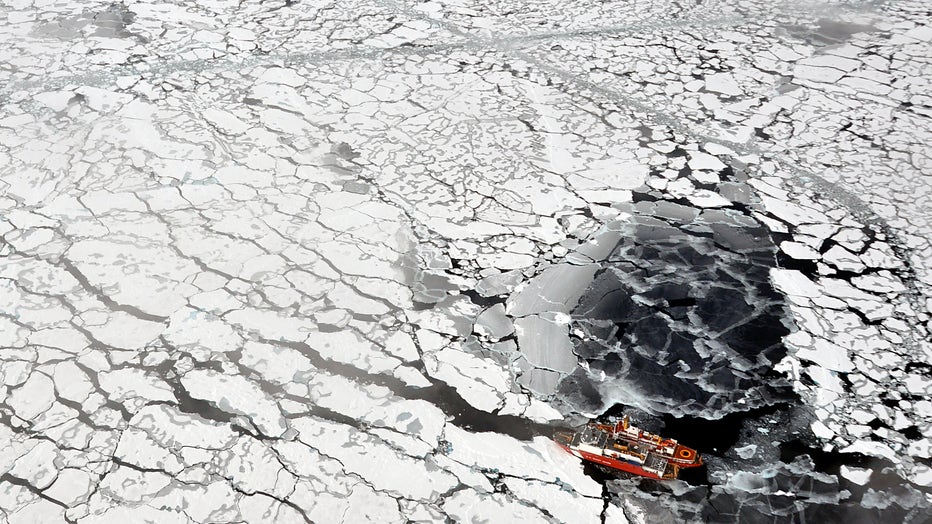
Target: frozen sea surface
[356, 261]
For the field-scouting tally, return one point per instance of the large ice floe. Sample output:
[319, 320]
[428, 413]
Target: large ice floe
[356, 261]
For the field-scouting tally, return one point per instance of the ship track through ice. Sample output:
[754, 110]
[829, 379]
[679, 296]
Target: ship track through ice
[623, 447]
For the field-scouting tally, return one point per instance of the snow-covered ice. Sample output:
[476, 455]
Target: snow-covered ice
[320, 262]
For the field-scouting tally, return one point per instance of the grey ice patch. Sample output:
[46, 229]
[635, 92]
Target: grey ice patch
[545, 344]
[494, 323]
[681, 318]
[557, 288]
[828, 31]
[110, 22]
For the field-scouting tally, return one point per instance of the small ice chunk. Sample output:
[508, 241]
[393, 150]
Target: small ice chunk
[282, 75]
[799, 251]
[557, 288]
[857, 475]
[746, 452]
[494, 323]
[825, 378]
[821, 430]
[705, 161]
[499, 283]
[792, 213]
[723, 83]
[718, 149]
[922, 33]
[479, 381]
[540, 411]
[833, 61]
[34, 397]
[794, 283]
[402, 346]
[920, 448]
[918, 385]
[862, 416]
[225, 121]
[706, 177]
[880, 282]
[70, 486]
[56, 100]
[922, 475]
[828, 355]
[38, 466]
[541, 381]
[706, 198]
[545, 344]
[843, 259]
[874, 449]
[613, 174]
[824, 68]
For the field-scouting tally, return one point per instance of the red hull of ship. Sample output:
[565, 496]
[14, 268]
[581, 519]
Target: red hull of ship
[612, 463]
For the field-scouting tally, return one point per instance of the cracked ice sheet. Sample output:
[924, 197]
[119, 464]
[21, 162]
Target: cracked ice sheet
[541, 18]
[135, 43]
[182, 278]
[839, 106]
[532, 168]
[244, 227]
[544, 474]
[848, 111]
[860, 327]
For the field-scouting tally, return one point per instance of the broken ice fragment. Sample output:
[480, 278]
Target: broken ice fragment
[494, 323]
[746, 452]
[857, 475]
[828, 355]
[722, 83]
[557, 288]
[545, 344]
